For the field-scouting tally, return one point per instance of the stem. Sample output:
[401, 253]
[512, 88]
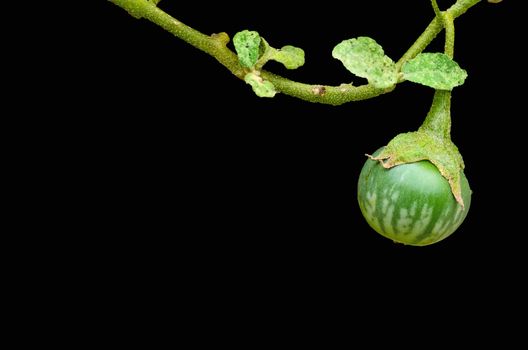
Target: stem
[215, 46]
[438, 120]
[432, 30]
[449, 25]
[436, 9]
[332, 95]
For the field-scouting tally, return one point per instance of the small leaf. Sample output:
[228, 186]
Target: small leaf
[435, 70]
[365, 58]
[261, 87]
[290, 56]
[247, 46]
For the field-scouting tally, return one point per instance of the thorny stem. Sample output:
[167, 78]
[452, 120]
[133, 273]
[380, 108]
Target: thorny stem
[215, 45]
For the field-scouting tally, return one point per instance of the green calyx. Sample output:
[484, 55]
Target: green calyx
[431, 142]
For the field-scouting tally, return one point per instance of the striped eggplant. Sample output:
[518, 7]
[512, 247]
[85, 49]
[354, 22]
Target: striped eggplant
[410, 203]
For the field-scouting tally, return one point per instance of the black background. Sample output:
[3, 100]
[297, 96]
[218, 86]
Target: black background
[189, 162]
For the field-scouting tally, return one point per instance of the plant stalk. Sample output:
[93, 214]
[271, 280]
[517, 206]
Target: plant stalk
[215, 46]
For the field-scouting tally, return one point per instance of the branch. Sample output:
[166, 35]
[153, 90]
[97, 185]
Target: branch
[435, 27]
[449, 26]
[215, 46]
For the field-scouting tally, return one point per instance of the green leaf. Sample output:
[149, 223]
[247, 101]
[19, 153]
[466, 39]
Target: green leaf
[261, 87]
[365, 58]
[435, 70]
[247, 46]
[290, 56]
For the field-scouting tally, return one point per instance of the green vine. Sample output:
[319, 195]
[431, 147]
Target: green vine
[216, 46]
